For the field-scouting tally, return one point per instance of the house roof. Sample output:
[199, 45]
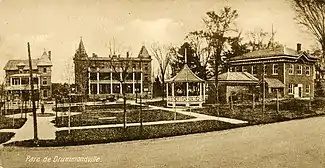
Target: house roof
[143, 52]
[43, 61]
[12, 64]
[185, 75]
[271, 53]
[236, 78]
[274, 83]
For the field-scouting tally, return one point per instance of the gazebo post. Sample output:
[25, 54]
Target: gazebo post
[187, 103]
[173, 94]
[200, 94]
[167, 91]
[204, 85]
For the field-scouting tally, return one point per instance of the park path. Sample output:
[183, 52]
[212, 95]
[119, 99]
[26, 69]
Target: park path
[45, 128]
[198, 117]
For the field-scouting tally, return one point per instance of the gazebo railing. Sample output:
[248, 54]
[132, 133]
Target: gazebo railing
[184, 99]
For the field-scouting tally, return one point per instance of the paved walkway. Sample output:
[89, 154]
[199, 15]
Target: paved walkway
[198, 117]
[45, 129]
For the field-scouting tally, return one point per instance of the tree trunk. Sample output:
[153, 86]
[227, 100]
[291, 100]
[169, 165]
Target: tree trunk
[163, 86]
[124, 107]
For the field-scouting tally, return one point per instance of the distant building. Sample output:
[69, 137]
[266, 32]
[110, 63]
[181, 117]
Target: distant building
[18, 78]
[99, 77]
[290, 71]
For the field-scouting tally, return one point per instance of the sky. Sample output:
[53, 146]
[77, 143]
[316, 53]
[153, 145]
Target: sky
[58, 25]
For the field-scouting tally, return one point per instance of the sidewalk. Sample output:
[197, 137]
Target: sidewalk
[45, 129]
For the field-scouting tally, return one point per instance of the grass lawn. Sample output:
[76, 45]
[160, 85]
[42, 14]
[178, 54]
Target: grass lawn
[106, 135]
[116, 116]
[289, 109]
[5, 136]
[7, 123]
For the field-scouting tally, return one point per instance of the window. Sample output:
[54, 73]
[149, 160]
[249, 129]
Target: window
[244, 69]
[15, 81]
[238, 69]
[275, 69]
[44, 81]
[21, 71]
[45, 93]
[231, 69]
[307, 70]
[290, 89]
[299, 70]
[134, 66]
[254, 69]
[291, 69]
[307, 89]
[44, 70]
[265, 69]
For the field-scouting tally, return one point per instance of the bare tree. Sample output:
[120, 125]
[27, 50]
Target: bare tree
[260, 39]
[311, 14]
[122, 65]
[163, 56]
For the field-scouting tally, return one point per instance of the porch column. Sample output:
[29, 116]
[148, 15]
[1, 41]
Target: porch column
[204, 87]
[111, 81]
[173, 94]
[97, 80]
[200, 91]
[187, 94]
[20, 81]
[133, 84]
[167, 91]
[141, 82]
[10, 81]
[121, 78]
[89, 91]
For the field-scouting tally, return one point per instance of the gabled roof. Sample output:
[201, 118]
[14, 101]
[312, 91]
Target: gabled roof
[279, 52]
[44, 60]
[185, 75]
[274, 83]
[143, 52]
[236, 78]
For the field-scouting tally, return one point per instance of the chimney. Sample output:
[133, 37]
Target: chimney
[298, 47]
[127, 54]
[95, 55]
[50, 56]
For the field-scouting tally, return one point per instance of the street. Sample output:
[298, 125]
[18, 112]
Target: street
[299, 143]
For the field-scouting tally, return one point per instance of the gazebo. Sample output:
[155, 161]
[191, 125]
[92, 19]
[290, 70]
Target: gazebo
[185, 89]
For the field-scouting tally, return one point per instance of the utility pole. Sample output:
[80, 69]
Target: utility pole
[33, 98]
[141, 124]
[263, 80]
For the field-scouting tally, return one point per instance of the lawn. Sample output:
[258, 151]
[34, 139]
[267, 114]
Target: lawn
[5, 136]
[116, 116]
[289, 109]
[7, 123]
[106, 135]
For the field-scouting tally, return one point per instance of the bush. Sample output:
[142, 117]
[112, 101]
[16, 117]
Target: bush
[5, 136]
[6, 123]
[106, 135]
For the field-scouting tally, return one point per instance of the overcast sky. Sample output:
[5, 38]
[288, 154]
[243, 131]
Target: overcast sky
[57, 25]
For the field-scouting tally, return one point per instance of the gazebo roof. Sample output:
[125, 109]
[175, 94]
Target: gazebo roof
[185, 75]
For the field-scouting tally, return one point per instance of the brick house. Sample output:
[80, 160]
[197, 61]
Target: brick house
[291, 72]
[98, 77]
[17, 79]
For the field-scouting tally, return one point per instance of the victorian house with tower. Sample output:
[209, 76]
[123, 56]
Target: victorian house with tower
[17, 79]
[100, 77]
